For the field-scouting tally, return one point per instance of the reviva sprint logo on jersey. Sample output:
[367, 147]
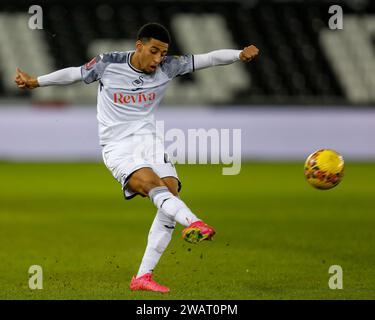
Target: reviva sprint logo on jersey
[120, 98]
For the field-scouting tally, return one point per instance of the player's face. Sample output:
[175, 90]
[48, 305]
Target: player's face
[151, 54]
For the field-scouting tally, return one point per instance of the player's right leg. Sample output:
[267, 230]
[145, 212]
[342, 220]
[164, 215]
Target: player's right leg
[146, 182]
[196, 231]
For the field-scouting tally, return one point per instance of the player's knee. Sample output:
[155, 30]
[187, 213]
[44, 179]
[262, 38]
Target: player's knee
[173, 190]
[143, 184]
[149, 184]
[172, 184]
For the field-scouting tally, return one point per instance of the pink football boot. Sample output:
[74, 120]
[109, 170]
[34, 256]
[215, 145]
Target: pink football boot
[146, 283]
[197, 232]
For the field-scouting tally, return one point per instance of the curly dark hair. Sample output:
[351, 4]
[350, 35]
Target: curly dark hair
[155, 31]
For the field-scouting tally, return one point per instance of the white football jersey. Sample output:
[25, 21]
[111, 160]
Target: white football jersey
[127, 97]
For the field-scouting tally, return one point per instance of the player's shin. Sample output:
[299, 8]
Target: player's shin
[158, 239]
[173, 207]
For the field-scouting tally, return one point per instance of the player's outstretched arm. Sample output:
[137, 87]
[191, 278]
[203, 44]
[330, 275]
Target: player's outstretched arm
[224, 56]
[60, 77]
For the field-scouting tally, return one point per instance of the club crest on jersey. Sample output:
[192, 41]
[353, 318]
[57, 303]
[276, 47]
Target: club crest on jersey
[138, 82]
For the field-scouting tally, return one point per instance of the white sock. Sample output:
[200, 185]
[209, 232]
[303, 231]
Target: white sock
[158, 239]
[172, 206]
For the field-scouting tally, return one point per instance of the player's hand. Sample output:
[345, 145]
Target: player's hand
[25, 81]
[249, 53]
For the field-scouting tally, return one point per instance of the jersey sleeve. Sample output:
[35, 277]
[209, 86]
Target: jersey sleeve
[94, 69]
[175, 66]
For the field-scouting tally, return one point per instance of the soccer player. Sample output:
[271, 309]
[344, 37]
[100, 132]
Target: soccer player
[131, 87]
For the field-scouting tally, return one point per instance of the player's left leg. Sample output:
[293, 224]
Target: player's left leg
[158, 239]
[160, 234]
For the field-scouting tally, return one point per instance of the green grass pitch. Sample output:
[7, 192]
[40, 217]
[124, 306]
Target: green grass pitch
[276, 235]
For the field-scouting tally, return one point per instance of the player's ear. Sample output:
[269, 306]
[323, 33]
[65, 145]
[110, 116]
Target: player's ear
[139, 45]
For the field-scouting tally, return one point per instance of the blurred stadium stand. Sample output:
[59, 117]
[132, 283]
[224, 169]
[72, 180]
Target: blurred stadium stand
[301, 62]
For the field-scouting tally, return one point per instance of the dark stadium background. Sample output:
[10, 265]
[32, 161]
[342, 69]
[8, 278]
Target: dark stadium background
[287, 32]
[310, 88]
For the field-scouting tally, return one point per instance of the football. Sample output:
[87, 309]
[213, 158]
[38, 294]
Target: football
[324, 169]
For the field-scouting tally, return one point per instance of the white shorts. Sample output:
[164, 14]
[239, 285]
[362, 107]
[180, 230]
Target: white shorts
[125, 157]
